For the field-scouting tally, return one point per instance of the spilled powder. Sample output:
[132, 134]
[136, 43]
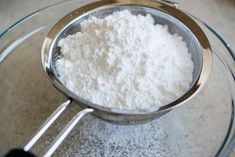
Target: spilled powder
[125, 61]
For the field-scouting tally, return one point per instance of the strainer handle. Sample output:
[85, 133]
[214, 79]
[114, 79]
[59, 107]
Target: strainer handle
[170, 2]
[59, 139]
[47, 124]
[66, 130]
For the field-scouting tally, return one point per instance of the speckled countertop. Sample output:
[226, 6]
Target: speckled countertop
[220, 14]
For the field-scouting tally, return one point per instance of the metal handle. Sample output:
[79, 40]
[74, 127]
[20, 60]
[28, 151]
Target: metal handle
[64, 133]
[169, 2]
[47, 124]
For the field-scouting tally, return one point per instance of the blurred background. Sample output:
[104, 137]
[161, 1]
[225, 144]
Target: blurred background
[219, 14]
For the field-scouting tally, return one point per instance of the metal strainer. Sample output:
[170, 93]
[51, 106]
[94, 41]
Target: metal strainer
[177, 21]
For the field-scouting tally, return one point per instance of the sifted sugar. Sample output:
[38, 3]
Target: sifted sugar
[125, 61]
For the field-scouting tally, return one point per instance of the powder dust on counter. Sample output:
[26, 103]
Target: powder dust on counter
[125, 61]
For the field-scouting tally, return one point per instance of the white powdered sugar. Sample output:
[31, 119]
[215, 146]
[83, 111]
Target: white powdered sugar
[195, 129]
[125, 61]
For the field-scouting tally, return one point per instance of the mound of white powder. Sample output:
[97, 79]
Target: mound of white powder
[125, 61]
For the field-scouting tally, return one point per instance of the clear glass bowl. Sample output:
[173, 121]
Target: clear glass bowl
[203, 127]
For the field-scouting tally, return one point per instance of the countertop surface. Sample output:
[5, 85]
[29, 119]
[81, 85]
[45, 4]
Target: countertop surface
[219, 14]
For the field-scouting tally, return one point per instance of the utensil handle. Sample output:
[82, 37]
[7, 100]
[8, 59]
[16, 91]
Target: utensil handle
[47, 124]
[170, 2]
[67, 129]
